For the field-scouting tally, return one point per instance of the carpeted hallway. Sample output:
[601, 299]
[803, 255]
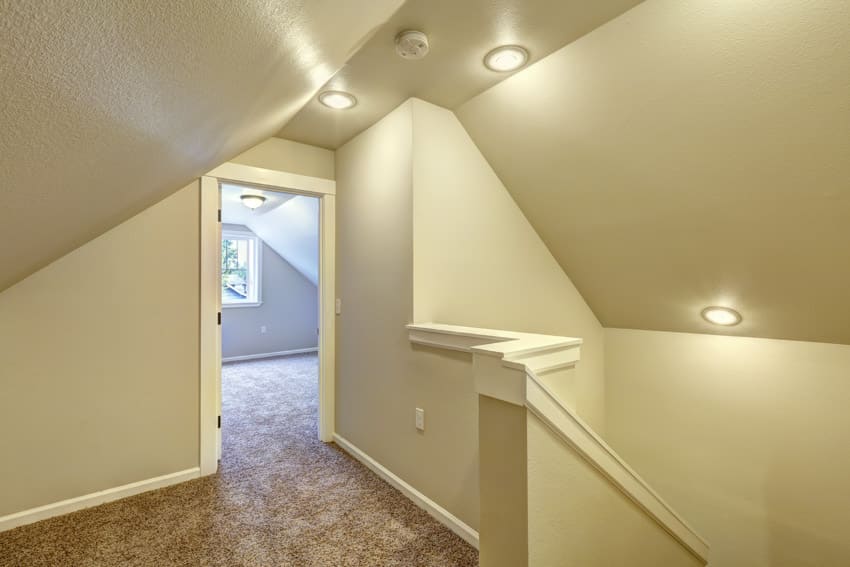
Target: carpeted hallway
[281, 498]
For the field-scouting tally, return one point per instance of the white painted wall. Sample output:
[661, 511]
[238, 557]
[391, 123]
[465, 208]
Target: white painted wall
[289, 311]
[746, 438]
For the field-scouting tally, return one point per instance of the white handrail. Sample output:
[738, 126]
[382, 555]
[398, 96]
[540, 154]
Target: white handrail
[532, 353]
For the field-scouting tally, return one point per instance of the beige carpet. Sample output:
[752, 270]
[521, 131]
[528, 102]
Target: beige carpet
[281, 498]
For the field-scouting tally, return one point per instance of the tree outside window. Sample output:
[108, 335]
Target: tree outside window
[239, 269]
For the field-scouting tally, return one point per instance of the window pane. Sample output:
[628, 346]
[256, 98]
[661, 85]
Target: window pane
[238, 270]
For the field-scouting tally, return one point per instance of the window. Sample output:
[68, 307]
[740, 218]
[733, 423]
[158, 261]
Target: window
[240, 269]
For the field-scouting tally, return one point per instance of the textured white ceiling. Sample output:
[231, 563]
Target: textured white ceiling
[461, 32]
[690, 153]
[108, 106]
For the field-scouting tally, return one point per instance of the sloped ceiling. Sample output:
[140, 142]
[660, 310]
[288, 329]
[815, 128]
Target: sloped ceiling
[461, 32]
[690, 153]
[288, 223]
[107, 107]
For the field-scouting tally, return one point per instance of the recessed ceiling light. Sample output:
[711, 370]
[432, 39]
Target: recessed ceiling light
[252, 201]
[338, 100]
[506, 58]
[721, 316]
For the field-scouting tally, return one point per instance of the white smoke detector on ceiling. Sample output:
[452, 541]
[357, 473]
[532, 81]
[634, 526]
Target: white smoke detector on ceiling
[412, 44]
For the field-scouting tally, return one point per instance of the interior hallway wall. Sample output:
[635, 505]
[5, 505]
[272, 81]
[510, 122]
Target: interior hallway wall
[289, 311]
[425, 231]
[746, 438]
[100, 361]
[100, 375]
[381, 378]
[478, 262]
[286, 155]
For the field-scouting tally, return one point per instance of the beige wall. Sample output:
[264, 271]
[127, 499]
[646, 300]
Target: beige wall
[286, 155]
[425, 231]
[746, 438]
[99, 356]
[577, 517]
[289, 311]
[381, 378]
[504, 488]
[479, 263]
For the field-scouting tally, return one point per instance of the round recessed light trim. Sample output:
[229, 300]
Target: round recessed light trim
[506, 58]
[338, 100]
[253, 201]
[724, 316]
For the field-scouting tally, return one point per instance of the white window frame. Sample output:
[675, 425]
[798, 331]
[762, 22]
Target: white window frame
[230, 234]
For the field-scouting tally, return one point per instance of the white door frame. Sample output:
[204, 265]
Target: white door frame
[210, 362]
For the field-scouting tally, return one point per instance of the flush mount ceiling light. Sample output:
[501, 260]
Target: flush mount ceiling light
[252, 201]
[721, 316]
[338, 100]
[506, 58]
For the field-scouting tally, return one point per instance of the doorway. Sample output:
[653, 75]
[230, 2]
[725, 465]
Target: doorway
[269, 319]
[237, 230]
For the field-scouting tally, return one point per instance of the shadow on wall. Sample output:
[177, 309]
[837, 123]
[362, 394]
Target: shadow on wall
[790, 542]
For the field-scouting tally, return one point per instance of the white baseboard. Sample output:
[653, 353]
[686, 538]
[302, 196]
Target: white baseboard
[94, 499]
[269, 354]
[438, 512]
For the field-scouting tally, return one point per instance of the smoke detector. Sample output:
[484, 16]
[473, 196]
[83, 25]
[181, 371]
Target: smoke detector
[412, 44]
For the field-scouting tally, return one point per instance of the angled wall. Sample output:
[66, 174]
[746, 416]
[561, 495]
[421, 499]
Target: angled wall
[99, 382]
[478, 261]
[690, 153]
[100, 362]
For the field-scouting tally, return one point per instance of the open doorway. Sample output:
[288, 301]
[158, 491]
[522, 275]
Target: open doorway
[267, 309]
[269, 320]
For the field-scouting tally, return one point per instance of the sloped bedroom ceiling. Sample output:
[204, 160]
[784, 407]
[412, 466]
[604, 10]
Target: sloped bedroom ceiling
[110, 106]
[690, 153]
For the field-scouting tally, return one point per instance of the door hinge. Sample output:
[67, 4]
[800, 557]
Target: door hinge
[219, 422]
[219, 317]
[219, 215]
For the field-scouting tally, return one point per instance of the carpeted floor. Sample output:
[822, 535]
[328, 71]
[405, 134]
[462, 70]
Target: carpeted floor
[281, 498]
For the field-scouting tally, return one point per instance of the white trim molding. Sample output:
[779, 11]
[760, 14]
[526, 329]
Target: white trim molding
[577, 434]
[272, 180]
[439, 513]
[508, 365]
[94, 499]
[270, 354]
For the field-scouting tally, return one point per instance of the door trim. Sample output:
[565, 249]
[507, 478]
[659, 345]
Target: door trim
[210, 351]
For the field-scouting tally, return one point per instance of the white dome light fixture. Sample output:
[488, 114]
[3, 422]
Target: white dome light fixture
[506, 58]
[338, 100]
[724, 316]
[253, 201]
